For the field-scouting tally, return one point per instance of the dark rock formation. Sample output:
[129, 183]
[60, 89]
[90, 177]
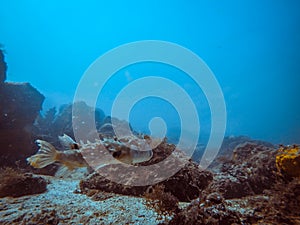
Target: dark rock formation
[15, 183]
[251, 170]
[279, 205]
[186, 184]
[226, 150]
[212, 210]
[20, 104]
[247, 190]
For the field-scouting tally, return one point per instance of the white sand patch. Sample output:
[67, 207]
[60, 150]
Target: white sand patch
[74, 208]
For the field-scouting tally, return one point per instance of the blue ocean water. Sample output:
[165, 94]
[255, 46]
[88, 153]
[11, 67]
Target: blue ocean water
[252, 47]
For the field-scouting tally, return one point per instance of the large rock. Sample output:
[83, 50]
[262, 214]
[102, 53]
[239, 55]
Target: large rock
[251, 170]
[20, 104]
[226, 150]
[212, 210]
[15, 183]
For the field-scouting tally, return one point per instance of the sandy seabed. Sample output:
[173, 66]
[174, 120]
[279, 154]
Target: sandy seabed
[60, 205]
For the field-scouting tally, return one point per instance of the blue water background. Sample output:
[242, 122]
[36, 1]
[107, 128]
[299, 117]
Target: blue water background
[253, 48]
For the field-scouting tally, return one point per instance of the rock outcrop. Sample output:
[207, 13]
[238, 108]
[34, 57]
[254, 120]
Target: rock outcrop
[185, 185]
[248, 189]
[20, 104]
[251, 170]
[14, 183]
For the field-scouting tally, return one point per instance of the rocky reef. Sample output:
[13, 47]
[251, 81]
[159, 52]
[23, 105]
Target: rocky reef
[279, 205]
[185, 185]
[250, 181]
[250, 171]
[249, 189]
[20, 105]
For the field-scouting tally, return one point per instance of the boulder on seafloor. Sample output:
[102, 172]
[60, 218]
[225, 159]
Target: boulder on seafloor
[20, 104]
[186, 184]
[15, 183]
[212, 210]
[279, 205]
[226, 150]
[250, 171]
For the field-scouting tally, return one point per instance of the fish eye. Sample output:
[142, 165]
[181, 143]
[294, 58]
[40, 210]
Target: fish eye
[74, 146]
[116, 154]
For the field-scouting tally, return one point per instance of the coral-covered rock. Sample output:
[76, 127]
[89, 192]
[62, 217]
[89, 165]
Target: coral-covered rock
[229, 144]
[20, 105]
[288, 161]
[279, 205]
[212, 210]
[186, 184]
[15, 184]
[251, 171]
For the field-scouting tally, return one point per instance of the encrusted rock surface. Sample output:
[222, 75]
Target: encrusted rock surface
[251, 170]
[213, 211]
[185, 185]
[229, 144]
[15, 183]
[20, 104]
[248, 190]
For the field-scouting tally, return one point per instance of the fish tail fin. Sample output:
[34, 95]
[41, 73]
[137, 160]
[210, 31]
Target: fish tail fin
[45, 156]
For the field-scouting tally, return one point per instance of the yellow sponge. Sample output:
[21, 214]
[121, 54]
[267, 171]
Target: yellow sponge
[288, 160]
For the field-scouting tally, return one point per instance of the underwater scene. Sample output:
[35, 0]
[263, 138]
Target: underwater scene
[150, 112]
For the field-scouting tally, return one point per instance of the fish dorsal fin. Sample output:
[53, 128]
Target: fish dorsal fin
[67, 142]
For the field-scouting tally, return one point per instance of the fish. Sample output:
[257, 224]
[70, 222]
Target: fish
[73, 157]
